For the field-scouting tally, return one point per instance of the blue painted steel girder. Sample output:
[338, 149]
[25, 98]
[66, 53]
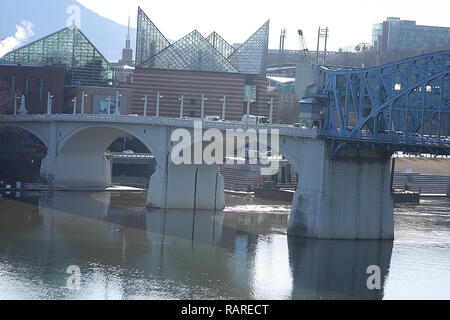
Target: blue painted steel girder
[404, 104]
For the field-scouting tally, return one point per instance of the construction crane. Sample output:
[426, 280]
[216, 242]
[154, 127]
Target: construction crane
[305, 56]
[282, 41]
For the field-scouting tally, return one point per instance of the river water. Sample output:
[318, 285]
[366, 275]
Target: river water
[123, 250]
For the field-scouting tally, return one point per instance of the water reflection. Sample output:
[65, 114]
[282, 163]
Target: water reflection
[126, 251]
[333, 268]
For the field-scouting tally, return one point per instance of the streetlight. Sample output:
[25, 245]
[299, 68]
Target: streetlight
[83, 96]
[203, 105]
[158, 98]
[145, 98]
[117, 110]
[224, 100]
[181, 99]
[248, 111]
[16, 98]
[74, 100]
[109, 105]
[49, 102]
[271, 110]
[117, 103]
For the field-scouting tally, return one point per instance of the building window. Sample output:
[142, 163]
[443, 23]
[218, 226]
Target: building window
[193, 102]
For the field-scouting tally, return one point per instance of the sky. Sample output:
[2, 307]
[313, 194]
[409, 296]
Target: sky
[349, 21]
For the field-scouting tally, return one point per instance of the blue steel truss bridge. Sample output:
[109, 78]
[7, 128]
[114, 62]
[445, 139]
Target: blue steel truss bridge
[400, 106]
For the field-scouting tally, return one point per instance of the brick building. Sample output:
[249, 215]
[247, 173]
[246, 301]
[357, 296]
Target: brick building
[34, 82]
[194, 66]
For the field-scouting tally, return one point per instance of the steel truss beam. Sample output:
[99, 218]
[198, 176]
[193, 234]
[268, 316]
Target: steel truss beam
[404, 105]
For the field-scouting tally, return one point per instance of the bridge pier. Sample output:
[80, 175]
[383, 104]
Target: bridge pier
[77, 170]
[341, 199]
[186, 187]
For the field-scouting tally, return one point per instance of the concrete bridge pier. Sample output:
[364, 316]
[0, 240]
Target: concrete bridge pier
[78, 170]
[186, 187]
[80, 161]
[341, 199]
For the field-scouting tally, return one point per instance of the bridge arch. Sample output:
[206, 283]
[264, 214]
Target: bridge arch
[199, 184]
[79, 159]
[44, 139]
[101, 136]
[22, 150]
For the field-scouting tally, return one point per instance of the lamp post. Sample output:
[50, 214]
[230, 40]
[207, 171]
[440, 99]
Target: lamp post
[49, 103]
[109, 105]
[181, 106]
[203, 106]
[248, 111]
[15, 103]
[158, 98]
[224, 106]
[271, 111]
[145, 105]
[74, 105]
[117, 112]
[83, 96]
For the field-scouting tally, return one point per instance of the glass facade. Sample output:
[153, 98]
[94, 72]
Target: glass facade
[70, 49]
[197, 53]
[149, 40]
[191, 53]
[250, 57]
[396, 34]
[220, 44]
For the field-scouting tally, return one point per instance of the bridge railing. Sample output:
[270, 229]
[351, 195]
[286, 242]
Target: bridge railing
[284, 130]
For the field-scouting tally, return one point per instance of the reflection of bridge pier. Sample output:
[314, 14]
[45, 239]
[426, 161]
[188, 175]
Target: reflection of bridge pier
[337, 268]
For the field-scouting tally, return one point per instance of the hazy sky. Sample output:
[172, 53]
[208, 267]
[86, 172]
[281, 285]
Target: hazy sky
[350, 21]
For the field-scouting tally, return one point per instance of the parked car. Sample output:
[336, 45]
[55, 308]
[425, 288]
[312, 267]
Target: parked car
[213, 118]
[251, 119]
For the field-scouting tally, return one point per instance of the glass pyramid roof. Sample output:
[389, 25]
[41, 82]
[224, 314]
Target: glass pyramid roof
[149, 40]
[191, 53]
[220, 44]
[250, 57]
[196, 53]
[68, 48]
[168, 59]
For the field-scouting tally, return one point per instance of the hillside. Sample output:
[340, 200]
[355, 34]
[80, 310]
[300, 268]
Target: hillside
[48, 16]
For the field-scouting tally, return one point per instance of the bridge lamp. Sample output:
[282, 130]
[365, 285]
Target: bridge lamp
[117, 111]
[204, 99]
[158, 98]
[181, 99]
[224, 106]
[270, 103]
[83, 97]
[74, 100]
[145, 98]
[109, 104]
